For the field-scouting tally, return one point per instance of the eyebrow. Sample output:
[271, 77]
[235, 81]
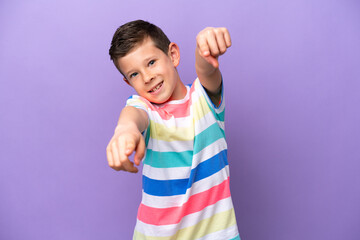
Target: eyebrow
[129, 72]
[146, 60]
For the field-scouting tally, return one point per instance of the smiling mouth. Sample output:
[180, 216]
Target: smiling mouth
[156, 88]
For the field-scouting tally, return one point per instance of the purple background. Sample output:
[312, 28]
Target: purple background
[292, 81]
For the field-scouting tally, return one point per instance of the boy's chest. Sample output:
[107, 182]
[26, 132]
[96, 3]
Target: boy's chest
[172, 128]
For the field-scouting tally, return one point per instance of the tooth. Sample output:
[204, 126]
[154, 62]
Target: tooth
[156, 88]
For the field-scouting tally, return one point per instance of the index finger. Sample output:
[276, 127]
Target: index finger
[227, 37]
[124, 162]
[127, 149]
[129, 166]
[203, 47]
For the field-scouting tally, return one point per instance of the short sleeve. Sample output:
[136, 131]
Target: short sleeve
[218, 111]
[140, 103]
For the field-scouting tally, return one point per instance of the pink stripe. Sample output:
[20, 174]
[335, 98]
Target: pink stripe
[196, 203]
[172, 110]
[178, 110]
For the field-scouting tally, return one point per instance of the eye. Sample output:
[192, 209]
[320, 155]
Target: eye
[133, 74]
[151, 62]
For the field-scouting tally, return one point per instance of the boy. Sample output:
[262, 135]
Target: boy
[178, 130]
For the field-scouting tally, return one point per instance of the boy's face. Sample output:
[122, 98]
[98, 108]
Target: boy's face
[152, 73]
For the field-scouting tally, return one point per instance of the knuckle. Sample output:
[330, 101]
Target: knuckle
[210, 31]
[215, 51]
[222, 49]
[121, 158]
[117, 164]
[109, 146]
[200, 40]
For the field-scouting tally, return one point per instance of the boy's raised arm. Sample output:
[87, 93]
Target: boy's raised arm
[210, 44]
[127, 139]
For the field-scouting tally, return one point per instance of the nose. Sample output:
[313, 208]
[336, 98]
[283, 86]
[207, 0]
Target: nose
[148, 76]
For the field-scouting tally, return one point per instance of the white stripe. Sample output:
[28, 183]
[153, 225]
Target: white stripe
[178, 200]
[221, 124]
[184, 172]
[203, 123]
[172, 122]
[209, 211]
[174, 102]
[187, 221]
[163, 201]
[209, 151]
[166, 173]
[174, 146]
[207, 120]
[209, 182]
[200, 88]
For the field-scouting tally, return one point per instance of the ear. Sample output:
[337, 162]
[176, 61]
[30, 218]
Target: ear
[174, 53]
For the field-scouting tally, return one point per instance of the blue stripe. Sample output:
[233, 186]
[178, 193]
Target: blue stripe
[164, 187]
[179, 186]
[209, 167]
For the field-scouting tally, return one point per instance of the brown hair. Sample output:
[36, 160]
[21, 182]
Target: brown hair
[131, 34]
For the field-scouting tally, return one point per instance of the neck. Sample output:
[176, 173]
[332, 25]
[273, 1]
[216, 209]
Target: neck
[179, 91]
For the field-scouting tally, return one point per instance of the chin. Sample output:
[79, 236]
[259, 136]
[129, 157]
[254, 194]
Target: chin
[159, 101]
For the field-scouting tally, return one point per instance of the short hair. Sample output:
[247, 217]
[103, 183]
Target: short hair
[133, 33]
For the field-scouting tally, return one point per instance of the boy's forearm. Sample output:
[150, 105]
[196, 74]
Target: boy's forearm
[209, 76]
[210, 44]
[132, 118]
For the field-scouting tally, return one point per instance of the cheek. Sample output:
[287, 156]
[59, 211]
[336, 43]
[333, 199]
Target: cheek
[136, 85]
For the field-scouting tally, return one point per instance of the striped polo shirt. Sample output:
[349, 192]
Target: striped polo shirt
[185, 192]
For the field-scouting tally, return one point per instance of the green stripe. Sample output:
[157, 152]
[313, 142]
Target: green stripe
[147, 135]
[236, 238]
[207, 137]
[168, 159]
[218, 116]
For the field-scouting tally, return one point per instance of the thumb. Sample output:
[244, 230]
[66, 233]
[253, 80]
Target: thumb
[212, 60]
[140, 151]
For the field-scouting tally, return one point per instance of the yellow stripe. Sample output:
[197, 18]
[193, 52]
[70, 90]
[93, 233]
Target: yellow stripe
[161, 132]
[200, 108]
[219, 221]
